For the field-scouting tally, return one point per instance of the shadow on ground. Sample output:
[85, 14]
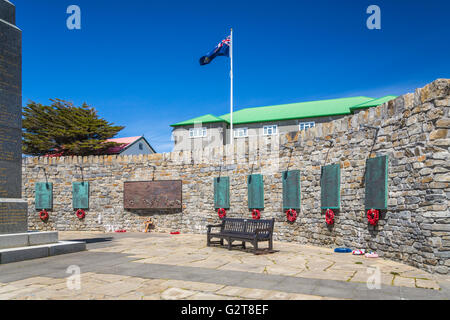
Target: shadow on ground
[95, 240]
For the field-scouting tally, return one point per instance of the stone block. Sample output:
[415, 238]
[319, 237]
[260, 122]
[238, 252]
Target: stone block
[438, 134]
[439, 88]
[13, 240]
[443, 123]
[41, 251]
[442, 102]
[22, 253]
[38, 238]
[64, 247]
[441, 227]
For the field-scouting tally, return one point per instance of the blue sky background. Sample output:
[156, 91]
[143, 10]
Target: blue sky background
[136, 61]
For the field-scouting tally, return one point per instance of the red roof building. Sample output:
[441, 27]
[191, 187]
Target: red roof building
[127, 146]
[131, 146]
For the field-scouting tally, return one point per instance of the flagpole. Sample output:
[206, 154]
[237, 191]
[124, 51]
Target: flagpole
[231, 89]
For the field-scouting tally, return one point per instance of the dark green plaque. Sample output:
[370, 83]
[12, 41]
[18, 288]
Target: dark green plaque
[255, 186]
[44, 196]
[80, 195]
[222, 192]
[291, 189]
[376, 181]
[330, 187]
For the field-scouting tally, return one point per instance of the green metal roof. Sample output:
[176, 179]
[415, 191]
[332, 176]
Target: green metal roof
[208, 118]
[373, 103]
[301, 110]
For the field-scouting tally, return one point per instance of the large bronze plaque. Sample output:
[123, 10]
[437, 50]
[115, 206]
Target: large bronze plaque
[165, 194]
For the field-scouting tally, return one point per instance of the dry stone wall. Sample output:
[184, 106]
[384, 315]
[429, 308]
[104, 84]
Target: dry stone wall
[413, 133]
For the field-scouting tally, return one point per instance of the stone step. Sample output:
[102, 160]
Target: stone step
[15, 240]
[40, 251]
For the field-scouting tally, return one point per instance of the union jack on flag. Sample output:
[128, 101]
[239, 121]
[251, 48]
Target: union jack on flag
[226, 41]
[222, 49]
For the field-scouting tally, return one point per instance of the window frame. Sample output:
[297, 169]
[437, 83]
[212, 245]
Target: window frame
[204, 132]
[266, 130]
[306, 125]
[236, 130]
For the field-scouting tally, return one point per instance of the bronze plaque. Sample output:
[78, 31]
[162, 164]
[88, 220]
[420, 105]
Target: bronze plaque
[165, 194]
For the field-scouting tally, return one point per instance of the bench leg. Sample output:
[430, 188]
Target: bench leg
[208, 241]
[243, 244]
[230, 242]
[255, 245]
[270, 244]
[221, 241]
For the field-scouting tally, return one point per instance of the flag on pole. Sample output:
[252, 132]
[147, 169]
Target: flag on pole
[222, 49]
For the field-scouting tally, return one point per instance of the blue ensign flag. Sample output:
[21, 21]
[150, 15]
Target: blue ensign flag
[222, 49]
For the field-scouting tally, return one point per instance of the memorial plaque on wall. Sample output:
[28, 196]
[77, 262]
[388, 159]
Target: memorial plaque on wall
[330, 187]
[80, 195]
[376, 181]
[222, 192]
[164, 194]
[44, 196]
[255, 185]
[291, 189]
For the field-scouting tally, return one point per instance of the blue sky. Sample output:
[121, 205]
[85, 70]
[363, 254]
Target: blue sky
[136, 61]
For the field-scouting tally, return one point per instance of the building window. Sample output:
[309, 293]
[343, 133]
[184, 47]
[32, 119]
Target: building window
[306, 125]
[197, 132]
[141, 146]
[241, 132]
[270, 130]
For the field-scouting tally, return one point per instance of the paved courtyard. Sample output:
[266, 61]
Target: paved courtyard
[163, 266]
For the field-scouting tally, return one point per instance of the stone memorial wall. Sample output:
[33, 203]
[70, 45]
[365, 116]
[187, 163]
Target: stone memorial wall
[413, 134]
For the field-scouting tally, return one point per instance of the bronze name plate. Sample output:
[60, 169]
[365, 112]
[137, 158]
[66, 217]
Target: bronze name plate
[165, 194]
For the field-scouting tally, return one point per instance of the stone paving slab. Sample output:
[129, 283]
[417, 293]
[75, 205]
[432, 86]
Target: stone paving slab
[160, 266]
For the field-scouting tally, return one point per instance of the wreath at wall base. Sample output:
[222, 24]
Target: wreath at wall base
[256, 214]
[222, 213]
[80, 214]
[329, 217]
[43, 215]
[291, 215]
[373, 215]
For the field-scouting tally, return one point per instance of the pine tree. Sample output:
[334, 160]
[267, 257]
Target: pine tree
[63, 129]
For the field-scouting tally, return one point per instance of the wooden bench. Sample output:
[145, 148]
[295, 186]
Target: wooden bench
[245, 230]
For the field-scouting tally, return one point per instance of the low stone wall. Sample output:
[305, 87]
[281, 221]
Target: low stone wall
[413, 133]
